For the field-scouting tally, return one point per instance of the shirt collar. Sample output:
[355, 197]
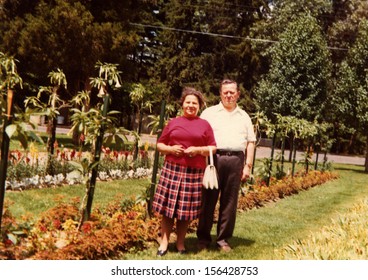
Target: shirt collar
[222, 108]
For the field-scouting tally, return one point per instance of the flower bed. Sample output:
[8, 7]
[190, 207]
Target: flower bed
[28, 170]
[258, 195]
[58, 234]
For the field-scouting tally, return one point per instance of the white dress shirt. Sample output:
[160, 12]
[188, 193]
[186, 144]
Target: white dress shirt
[232, 130]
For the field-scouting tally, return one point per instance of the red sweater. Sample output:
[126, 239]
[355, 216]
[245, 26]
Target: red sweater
[188, 132]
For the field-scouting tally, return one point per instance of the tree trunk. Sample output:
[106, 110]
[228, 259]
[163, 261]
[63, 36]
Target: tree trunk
[96, 160]
[136, 147]
[291, 148]
[317, 148]
[5, 152]
[51, 127]
[282, 154]
[271, 159]
[366, 156]
[294, 158]
[156, 160]
[307, 159]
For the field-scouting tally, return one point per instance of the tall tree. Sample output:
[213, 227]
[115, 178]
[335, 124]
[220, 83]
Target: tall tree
[205, 41]
[296, 84]
[279, 14]
[351, 95]
[65, 34]
[181, 56]
[344, 28]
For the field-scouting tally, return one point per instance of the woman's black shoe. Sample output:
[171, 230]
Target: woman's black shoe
[161, 253]
[182, 252]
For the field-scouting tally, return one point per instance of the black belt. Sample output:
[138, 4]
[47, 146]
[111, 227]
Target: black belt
[229, 153]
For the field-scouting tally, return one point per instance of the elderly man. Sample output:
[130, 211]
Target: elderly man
[235, 138]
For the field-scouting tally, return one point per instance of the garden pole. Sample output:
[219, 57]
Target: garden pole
[317, 156]
[271, 160]
[254, 159]
[283, 153]
[294, 158]
[157, 157]
[5, 151]
[96, 160]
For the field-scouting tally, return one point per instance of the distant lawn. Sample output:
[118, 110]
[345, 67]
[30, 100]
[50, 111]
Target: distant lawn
[35, 201]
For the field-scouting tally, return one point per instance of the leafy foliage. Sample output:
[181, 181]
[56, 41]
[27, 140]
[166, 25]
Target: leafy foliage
[297, 82]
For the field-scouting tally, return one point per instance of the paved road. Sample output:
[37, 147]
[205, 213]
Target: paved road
[266, 152]
[261, 152]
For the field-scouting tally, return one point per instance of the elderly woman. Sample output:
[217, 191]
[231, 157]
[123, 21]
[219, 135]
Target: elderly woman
[185, 142]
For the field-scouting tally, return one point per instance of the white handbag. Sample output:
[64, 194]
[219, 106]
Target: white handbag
[210, 174]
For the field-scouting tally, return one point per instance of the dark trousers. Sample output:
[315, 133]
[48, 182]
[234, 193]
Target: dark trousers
[229, 168]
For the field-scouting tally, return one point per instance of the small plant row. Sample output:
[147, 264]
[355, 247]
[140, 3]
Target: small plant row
[74, 178]
[123, 226]
[28, 170]
[260, 194]
[345, 239]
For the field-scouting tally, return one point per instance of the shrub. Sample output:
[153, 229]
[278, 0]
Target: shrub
[258, 195]
[59, 235]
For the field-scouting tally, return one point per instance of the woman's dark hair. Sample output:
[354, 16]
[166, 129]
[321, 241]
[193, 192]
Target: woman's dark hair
[192, 91]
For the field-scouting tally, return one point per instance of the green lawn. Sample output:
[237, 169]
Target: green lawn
[258, 232]
[35, 201]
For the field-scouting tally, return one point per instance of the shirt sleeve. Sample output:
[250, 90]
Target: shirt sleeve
[251, 137]
[165, 135]
[210, 135]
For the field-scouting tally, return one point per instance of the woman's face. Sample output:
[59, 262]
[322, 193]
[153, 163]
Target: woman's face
[190, 106]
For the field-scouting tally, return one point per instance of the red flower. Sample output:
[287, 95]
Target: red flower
[131, 215]
[8, 242]
[56, 224]
[86, 227]
[43, 228]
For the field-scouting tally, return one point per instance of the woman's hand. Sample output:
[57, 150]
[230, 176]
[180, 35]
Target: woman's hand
[177, 150]
[192, 151]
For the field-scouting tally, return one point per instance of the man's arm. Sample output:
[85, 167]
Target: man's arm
[248, 161]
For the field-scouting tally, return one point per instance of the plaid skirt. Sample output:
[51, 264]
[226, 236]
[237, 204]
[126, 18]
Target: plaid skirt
[178, 192]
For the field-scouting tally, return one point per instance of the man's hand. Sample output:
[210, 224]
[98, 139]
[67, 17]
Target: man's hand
[246, 172]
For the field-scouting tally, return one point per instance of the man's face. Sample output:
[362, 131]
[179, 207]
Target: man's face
[229, 96]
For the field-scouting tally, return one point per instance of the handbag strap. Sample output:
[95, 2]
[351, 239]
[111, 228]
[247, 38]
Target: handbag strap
[211, 155]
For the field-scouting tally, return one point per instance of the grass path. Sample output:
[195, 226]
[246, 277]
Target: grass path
[260, 232]
[36, 201]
